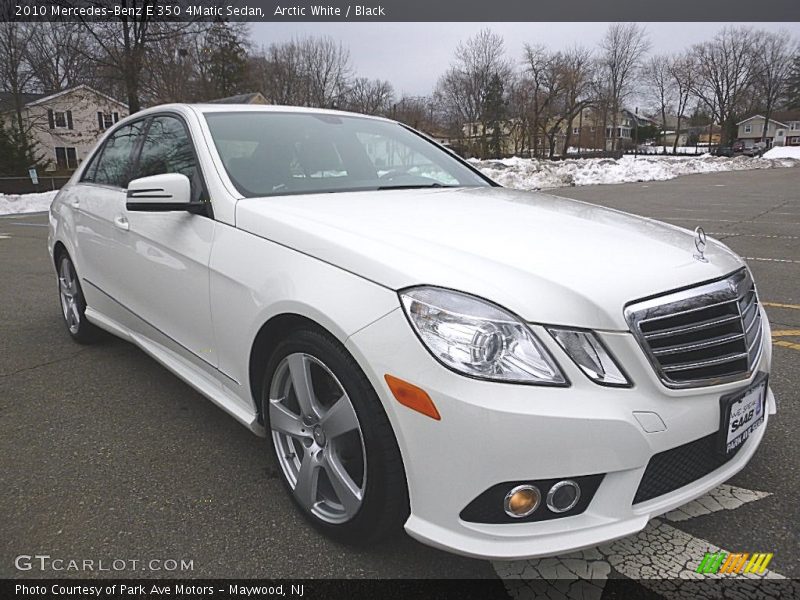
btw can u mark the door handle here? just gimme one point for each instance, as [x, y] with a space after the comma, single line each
[75, 204]
[122, 223]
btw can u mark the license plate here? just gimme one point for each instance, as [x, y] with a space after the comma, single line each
[742, 413]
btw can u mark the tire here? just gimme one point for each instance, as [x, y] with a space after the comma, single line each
[322, 440]
[73, 303]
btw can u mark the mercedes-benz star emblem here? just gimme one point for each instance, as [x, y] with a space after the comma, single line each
[700, 244]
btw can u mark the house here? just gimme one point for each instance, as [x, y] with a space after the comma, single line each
[478, 137]
[66, 125]
[592, 129]
[783, 129]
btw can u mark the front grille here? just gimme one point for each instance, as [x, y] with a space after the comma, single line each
[705, 335]
[672, 469]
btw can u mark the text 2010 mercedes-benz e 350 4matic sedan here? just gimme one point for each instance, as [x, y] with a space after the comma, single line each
[506, 374]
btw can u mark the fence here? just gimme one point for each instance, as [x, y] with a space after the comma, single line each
[24, 185]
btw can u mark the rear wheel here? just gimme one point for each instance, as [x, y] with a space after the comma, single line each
[73, 304]
[332, 440]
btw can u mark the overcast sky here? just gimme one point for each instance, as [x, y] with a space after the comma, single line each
[413, 55]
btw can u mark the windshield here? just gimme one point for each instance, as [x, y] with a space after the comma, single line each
[276, 153]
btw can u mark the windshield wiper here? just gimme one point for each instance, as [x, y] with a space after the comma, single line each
[415, 186]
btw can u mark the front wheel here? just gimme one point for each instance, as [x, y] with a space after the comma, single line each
[73, 304]
[332, 440]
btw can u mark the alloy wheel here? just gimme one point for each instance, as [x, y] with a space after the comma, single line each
[69, 294]
[318, 439]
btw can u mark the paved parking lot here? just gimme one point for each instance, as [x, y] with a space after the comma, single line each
[106, 455]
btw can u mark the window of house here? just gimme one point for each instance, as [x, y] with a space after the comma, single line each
[748, 128]
[66, 158]
[576, 130]
[781, 132]
[106, 119]
[59, 119]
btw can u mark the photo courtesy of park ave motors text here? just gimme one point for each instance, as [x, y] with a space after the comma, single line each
[299, 298]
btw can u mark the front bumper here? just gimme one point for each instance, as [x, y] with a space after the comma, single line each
[494, 432]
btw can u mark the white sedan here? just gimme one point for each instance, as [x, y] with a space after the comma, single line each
[505, 374]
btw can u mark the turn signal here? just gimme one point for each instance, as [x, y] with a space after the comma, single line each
[413, 397]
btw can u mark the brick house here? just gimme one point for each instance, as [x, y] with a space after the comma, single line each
[66, 125]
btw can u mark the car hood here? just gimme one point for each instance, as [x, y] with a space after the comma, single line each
[548, 259]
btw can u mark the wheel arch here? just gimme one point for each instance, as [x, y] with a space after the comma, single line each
[59, 249]
[269, 335]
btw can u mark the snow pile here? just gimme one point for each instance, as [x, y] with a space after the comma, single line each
[533, 174]
[11, 204]
[783, 152]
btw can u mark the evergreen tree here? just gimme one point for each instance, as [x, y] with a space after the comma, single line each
[793, 85]
[225, 53]
[495, 115]
[16, 153]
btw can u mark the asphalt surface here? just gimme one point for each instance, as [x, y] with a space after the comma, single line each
[104, 454]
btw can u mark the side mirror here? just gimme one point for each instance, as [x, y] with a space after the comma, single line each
[160, 193]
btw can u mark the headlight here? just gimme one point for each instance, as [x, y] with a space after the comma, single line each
[477, 338]
[586, 350]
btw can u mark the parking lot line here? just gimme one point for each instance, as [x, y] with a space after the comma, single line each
[778, 260]
[780, 305]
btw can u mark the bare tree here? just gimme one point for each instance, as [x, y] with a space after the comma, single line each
[278, 72]
[773, 57]
[416, 111]
[119, 46]
[660, 87]
[725, 70]
[537, 64]
[326, 65]
[622, 50]
[369, 96]
[682, 72]
[58, 56]
[313, 71]
[576, 65]
[464, 88]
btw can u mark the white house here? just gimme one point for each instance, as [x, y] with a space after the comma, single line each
[65, 125]
[783, 129]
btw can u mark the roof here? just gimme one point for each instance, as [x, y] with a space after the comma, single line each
[7, 100]
[781, 117]
[251, 98]
[83, 86]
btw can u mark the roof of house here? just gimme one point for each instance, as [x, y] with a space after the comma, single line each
[250, 98]
[7, 100]
[83, 86]
[781, 117]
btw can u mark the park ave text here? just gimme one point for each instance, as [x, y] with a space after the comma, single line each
[69, 589]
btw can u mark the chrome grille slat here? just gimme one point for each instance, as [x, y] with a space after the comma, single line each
[704, 363]
[688, 329]
[683, 312]
[705, 335]
[698, 345]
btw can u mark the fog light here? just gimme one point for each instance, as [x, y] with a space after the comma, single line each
[521, 501]
[563, 496]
